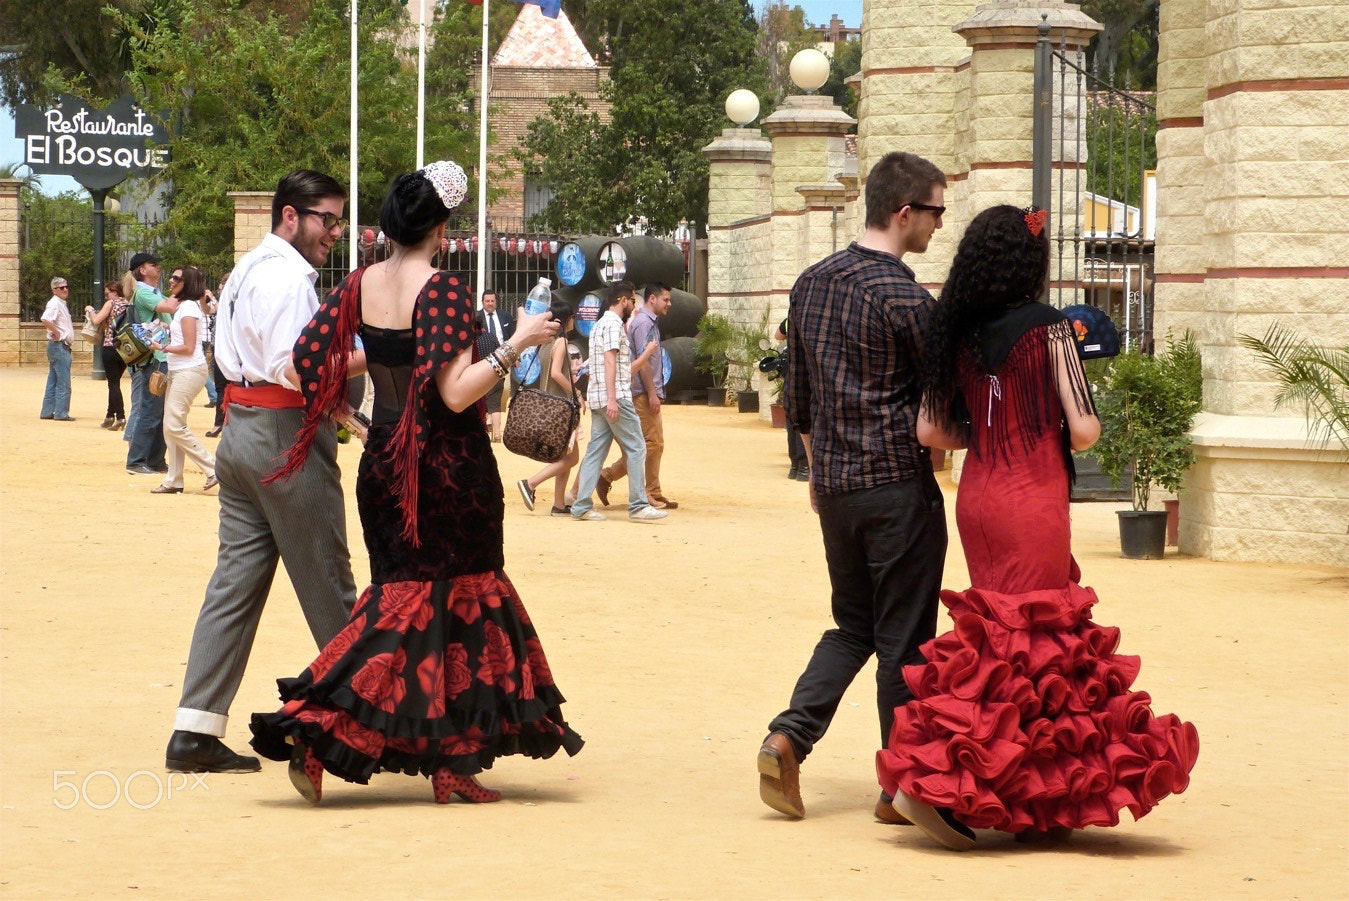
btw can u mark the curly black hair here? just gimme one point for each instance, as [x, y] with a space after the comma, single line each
[1000, 264]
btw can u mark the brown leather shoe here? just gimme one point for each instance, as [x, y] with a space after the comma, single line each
[886, 813]
[665, 503]
[780, 776]
[602, 490]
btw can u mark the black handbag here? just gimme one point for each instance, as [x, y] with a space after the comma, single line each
[539, 425]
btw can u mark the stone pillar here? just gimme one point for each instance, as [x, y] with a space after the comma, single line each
[739, 204]
[10, 226]
[996, 151]
[910, 94]
[1276, 113]
[252, 219]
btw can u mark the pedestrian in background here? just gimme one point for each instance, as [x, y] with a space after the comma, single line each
[60, 332]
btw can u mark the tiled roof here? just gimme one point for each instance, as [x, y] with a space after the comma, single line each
[538, 42]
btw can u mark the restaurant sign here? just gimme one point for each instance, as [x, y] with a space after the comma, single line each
[98, 148]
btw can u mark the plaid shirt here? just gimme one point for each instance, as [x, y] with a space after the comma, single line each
[609, 334]
[854, 341]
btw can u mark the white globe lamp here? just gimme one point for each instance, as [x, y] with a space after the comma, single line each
[742, 106]
[809, 70]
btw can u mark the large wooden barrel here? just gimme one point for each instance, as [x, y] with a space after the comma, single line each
[678, 357]
[641, 259]
[682, 319]
[578, 266]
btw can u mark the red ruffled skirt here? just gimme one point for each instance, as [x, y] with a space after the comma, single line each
[1023, 718]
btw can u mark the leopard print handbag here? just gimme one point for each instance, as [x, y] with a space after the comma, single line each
[539, 425]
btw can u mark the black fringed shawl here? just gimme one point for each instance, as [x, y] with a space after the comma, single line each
[442, 321]
[1034, 394]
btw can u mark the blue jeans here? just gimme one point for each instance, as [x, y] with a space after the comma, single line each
[145, 428]
[627, 429]
[56, 399]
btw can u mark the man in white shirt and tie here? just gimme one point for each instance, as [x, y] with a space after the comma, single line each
[494, 326]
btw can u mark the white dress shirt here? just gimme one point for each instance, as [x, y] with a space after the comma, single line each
[267, 302]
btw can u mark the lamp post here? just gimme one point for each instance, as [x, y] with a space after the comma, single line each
[809, 70]
[742, 107]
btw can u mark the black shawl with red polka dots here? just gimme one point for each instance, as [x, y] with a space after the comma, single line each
[442, 321]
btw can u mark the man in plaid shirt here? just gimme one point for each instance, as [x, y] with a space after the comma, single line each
[610, 397]
[855, 338]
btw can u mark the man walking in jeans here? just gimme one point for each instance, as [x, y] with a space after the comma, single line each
[854, 343]
[60, 332]
[610, 397]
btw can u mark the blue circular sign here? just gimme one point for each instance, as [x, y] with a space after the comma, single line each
[587, 314]
[571, 264]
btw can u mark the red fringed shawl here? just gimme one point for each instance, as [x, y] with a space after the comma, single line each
[442, 321]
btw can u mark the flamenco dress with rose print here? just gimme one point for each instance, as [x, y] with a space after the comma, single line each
[439, 665]
[1023, 718]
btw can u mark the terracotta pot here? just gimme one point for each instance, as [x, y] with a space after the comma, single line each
[779, 414]
[1172, 522]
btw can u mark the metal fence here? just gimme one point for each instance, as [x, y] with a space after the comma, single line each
[1099, 171]
[57, 238]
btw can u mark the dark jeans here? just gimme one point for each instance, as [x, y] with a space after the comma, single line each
[796, 450]
[147, 423]
[220, 382]
[885, 547]
[114, 367]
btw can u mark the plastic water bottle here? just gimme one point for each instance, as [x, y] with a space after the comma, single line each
[540, 300]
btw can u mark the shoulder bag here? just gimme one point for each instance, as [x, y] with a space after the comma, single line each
[539, 424]
[130, 347]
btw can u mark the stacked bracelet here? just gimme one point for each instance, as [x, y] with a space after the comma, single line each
[496, 365]
[509, 355]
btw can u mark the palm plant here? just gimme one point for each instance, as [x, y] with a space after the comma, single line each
[1315, 377]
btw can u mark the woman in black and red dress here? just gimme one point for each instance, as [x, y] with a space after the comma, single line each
[439, 671]
[1022, 718]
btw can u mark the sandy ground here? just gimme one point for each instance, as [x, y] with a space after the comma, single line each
[675, 644]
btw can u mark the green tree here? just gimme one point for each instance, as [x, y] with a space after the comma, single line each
[783, 32]
[1121, 144]
[1125, 51]
[846, 62]
[674, 62]
[247, 95]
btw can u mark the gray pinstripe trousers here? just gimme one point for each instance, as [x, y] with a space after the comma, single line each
[300, 521]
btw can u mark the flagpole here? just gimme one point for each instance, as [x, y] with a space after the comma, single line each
[353, 214]
[421, 85]
[483, 96]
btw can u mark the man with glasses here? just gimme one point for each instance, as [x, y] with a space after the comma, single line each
[854, 340]
[60, 333]
[145, 425]
[299, 520]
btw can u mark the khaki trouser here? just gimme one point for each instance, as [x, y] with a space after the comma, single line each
[654, 433]
[184, 386]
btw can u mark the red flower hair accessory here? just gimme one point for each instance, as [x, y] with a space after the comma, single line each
[1035, 220]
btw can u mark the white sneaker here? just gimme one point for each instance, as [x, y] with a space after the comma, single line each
[589, 516]
[647, 514]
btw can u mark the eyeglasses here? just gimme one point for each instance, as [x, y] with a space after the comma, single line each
[175, 277]
[330, 221]
[938, 210]
[61, 288]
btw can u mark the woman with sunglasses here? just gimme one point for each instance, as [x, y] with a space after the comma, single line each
[555, 359]
[1023, 719]
[440, 670]
[187, 376]
[109, 316]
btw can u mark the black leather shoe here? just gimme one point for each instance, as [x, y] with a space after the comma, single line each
[192, 752]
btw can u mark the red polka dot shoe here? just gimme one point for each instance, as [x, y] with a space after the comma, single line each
[306, 773]
[444, 783]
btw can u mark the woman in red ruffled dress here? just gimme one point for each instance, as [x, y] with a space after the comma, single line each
[439, 671]
[1023, 719]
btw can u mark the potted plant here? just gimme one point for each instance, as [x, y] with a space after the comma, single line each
[743, 355]
[713, 341]
[1147, 406]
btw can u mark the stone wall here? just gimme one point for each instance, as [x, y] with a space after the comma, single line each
[10, 354]
[1253, 110]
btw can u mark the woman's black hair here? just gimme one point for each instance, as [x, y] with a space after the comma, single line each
[411, 209]
[1000, 264]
